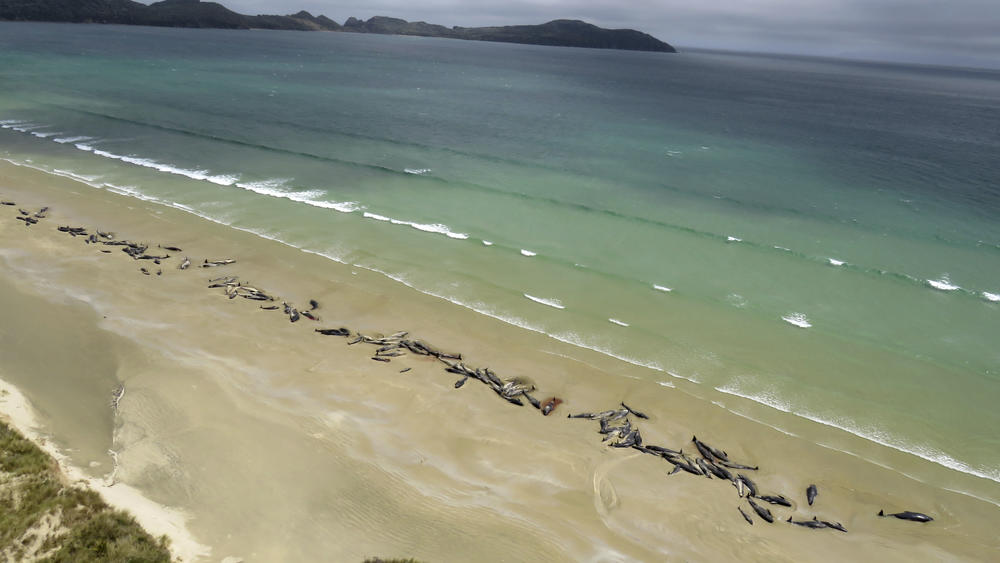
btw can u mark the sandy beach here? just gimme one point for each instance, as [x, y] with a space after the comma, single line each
[243, 435]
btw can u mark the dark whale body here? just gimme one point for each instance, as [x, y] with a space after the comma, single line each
[907, 515]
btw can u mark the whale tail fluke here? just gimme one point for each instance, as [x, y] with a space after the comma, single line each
[881, 513]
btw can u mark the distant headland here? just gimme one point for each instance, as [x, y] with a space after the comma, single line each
[194, 13]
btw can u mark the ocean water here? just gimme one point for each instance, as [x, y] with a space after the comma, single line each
[811, 237]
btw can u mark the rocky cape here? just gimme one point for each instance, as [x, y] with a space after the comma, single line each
[194, 13]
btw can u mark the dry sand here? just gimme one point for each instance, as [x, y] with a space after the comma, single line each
[243, 435]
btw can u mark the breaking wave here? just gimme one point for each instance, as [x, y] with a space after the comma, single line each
[550, 302]
[797, 319]
[437, 228]
[279, 188]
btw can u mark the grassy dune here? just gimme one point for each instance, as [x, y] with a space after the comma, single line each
[43, 518]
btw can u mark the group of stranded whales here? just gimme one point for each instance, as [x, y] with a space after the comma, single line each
[615, 424]
[619, 432]
[26, 216]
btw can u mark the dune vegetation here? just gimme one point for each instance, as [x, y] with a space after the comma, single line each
[45, 518]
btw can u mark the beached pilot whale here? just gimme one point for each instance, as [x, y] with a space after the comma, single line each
[907, 515]
[761, 511]
[814, 523]
[732, 465]
[516, 386]
[776, 499]
[635, 412]
[835, 525]
[333, 331]
[750, 485]
[705, 469]
[719, 472]
[549, 404]
[710, 453]
[811, 493]
[817, 524]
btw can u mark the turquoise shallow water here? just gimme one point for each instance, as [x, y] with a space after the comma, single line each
[818, 236]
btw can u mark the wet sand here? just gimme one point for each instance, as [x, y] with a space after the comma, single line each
[281, 444]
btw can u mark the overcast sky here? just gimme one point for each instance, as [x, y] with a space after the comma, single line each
[964, 32]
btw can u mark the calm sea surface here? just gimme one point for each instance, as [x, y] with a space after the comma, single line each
[821, 237]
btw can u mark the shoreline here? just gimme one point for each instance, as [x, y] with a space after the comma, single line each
[569, 381]
[930, 454]
[155, 518]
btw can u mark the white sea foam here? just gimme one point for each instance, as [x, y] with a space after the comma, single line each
[528, 253]
[487, 243]
[991, 296]
[733, 239]
[44, 134]
[6, 123]
[203, 175]
[617, 322]
[24, 128]
[944, 284]
[417, 171]
[432, 228]
[88, 180]
[871, 434]
[835, 262]
[679, 376]
[76, 139]
[797, 319]
[76, 176]
[666, 384]
[341, 206]
[223, 179]
[133, 191]
[550, 302]
[277, 187]
[662, 288]
[437, 228]
[783, 248]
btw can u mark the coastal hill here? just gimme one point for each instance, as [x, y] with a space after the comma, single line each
[565, 33]
[194, 13]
